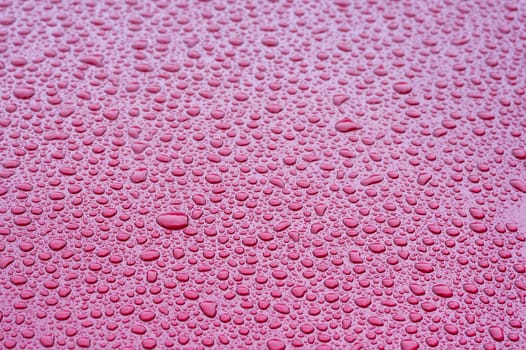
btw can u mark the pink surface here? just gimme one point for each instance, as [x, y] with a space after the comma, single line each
[268, 174]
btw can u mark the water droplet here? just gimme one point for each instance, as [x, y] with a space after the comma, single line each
[173, 220]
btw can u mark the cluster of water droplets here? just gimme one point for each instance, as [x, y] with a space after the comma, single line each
[269, 174]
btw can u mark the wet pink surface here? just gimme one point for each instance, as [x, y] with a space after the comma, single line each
[268, 174]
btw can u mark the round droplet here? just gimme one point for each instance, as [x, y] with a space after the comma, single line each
[402, 87]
